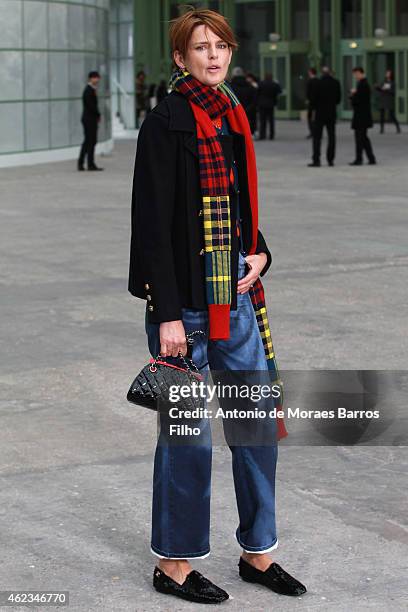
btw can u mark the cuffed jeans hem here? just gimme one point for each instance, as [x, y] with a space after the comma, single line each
[162, 555]
[254, 550]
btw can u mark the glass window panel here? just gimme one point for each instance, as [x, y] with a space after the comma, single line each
[125, 10]
[76, 27]
[77, 75]
[104, 83]
[379, 14]
[35, 25]
[126, 40]
[58, 19]
[127, 110]
[11, 75]
[59, 75]
[347, 80]
[36, 125]
[60, 124]
[281, 78]
[300, 19]
[90, 28]
[401, 70]
[76, 135]
[402, 16]
[10, 24]
[126, 77]
[113, 41]
[351, 18]
[299, 66]
[108, 116]
[36, 75]
[254, 22]
[11, 127]
[325, 31]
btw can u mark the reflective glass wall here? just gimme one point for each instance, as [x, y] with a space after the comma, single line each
[47, 48]
[121, 32]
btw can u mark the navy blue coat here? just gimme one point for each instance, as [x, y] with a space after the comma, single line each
[167, 239]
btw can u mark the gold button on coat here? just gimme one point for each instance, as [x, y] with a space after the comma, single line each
[151, 308]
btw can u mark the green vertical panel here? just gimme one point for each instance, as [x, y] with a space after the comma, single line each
[368, 19]
[166, 61]
[336, 35]
[285, 13]
[155, 36]
[390, 16]
[314, 30]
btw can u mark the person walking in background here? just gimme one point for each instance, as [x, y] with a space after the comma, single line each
[246, 93]
[311, 87]
[268, 93]
[141, 102]
[253, 113]
[90, 119]
[161, 91]
[326, 98]
[387, 101]
[362, 117]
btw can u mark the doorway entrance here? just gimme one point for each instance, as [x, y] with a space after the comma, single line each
[377, 65]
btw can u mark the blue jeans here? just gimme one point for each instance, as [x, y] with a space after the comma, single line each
[182, 472]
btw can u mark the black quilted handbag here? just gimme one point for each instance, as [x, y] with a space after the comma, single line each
[151, 387]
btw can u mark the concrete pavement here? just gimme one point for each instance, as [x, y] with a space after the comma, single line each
[76, 459]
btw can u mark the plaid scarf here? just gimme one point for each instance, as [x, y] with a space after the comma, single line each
[208, 104]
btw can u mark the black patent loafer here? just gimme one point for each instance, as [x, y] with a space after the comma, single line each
[275, 578]
[195, 588]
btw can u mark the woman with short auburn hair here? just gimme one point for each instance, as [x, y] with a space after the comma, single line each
[196, 258]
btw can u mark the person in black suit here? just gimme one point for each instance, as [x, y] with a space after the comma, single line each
[268, 93]
[246, 93]
[90, 119]
[326, 98]
[387, 101]
[311, 87]
[362, 117]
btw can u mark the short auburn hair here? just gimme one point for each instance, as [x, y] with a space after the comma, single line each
[181, 29]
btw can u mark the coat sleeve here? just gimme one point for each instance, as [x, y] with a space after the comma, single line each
[262, 247]
[153, 204]
[90, 102]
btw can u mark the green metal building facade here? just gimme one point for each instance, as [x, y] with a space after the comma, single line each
[340, 33]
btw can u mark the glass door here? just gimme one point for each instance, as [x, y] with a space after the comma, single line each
[277, 65]
[401, 89]
[378, 64]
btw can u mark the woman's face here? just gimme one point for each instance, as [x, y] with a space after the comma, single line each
[207, 57]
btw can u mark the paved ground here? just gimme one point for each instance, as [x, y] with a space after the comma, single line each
[76, 460]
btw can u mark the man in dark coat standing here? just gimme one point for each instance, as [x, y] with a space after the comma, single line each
[268, 93]
[90, 119]
[362, 117]
[246, 93]
[326, 98]
[311, 89]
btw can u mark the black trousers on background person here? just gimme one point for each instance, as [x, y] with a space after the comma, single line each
[392, 116]
[363, 143]
[88, 146]
[310, 121]
[267, 116]
[317, 140]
